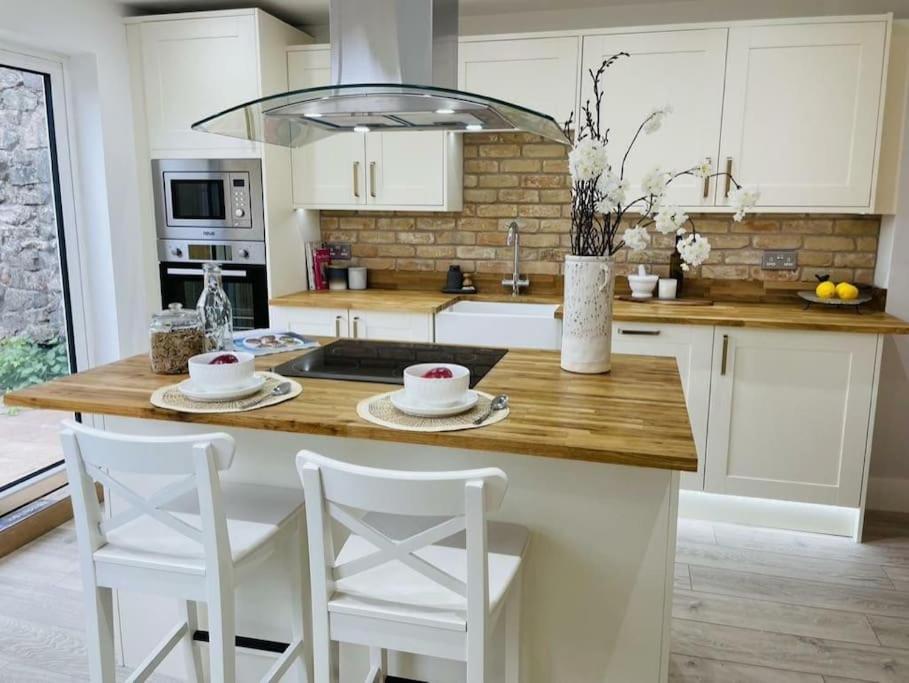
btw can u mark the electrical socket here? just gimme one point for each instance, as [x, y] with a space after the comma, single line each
[338, 251]
[787, 259]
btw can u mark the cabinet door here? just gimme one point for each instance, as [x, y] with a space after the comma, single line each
[415, 327]
[406, 169]
[537, 73]
[789, 414]
[317, 322]
[692, 347]
[193, 68]
[682, 69]
[801, 111]
[331, 171]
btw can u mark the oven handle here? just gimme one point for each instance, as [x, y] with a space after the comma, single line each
[199, 272]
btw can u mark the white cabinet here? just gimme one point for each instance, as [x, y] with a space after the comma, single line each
[536, 73]
[692, 347]
[789, 414]
[392, 326]
[682, 69]
[317, 322]
[192, 68]
[802, 109]
[356, 324]
[390, 171]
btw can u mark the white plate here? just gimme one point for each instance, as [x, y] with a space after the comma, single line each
[197, 393]
[399, 401]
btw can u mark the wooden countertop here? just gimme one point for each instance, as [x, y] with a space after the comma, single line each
[635, 415]
[780, 316]
[398, 300]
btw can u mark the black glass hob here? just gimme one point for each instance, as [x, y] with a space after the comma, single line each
[363, 360]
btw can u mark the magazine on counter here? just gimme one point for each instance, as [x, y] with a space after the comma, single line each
[266, 342]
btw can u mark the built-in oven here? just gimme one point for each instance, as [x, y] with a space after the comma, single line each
[243, 277]
[209, 199]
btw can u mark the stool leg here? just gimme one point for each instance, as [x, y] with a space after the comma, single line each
[100, 645]
[378, 659]
[300, 605]
[222, 630]
[513, 633]
[192, 658]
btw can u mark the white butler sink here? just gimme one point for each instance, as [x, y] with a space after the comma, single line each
[512, 325]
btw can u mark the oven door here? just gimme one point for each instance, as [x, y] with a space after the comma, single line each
[245, 285]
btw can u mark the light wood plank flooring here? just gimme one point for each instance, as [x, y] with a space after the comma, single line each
[751, 606]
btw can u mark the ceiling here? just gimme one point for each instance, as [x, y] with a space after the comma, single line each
[315, 12]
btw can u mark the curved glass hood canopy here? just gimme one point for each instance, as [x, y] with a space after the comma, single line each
[379, 49]
[302, 116]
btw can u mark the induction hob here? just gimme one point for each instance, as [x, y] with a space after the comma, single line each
[362, 360]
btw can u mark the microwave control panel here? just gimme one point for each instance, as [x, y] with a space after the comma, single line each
[241, 212]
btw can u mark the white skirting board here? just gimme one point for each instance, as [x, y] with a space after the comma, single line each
[888, 493]
[777, 514]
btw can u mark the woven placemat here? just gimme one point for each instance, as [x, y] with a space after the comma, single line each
[380, 410]
[171, 398]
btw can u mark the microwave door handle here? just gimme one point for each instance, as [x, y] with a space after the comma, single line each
[199, 272]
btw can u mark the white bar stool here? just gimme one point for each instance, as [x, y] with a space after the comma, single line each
[194, 539]
[422, 571]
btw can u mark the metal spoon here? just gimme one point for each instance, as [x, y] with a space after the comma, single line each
[280, 390]
[500, 402]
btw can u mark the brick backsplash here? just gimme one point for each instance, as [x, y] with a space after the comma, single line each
[517, 176]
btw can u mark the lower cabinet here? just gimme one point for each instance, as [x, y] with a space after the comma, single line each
[341, 322]
[692, 347]
[414, 327]
[790, 414]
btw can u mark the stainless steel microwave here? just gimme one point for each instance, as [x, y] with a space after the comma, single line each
[209, 199]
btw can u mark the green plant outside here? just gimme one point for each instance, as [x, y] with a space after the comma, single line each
[24, 362]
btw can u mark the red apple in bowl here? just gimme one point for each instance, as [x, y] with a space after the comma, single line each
[436, 384]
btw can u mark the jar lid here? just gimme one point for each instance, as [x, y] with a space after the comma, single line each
[176, 318]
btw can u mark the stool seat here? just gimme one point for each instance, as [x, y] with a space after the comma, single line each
[254, 515]
[396, 592]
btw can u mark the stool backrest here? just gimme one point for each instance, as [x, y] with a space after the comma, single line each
[98, 457]
[342, 492]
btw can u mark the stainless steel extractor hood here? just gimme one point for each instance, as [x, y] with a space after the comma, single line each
[394, 66]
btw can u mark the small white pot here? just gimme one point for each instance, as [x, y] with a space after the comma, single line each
[587, 314]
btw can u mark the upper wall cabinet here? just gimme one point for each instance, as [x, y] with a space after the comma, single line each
[192, 65]
[403, 171]
[191, 69]
[536, 73]
[682, 69]
[802, 111]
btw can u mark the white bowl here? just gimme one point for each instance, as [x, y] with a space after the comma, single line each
[443, 391]
[225, 376]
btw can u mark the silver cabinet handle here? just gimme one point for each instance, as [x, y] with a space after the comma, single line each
[372, 179]
[725, 354]
[337, 325]
[643, 333]
[728, 175]
[356, 178]
[707, 179]
[356, 326]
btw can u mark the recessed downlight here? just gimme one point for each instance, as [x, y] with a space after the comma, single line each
[444, 111]
[361, 129]
[474, 126]
[313, 116]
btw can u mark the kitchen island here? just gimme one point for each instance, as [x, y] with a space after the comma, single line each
[593, 465]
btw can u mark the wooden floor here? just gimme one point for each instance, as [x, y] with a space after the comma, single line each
[751, 606]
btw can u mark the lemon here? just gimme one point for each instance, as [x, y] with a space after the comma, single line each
[841, 287]
[825, 290]
[847, 291]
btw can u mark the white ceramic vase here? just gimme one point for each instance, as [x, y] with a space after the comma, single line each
[587, 314]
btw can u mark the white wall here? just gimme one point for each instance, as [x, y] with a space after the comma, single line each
[889, 484]
[120, 277]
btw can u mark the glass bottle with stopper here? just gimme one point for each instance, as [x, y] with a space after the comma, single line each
[215, 311]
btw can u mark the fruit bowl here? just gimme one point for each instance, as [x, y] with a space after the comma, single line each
[222, 374]
[430, 383]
